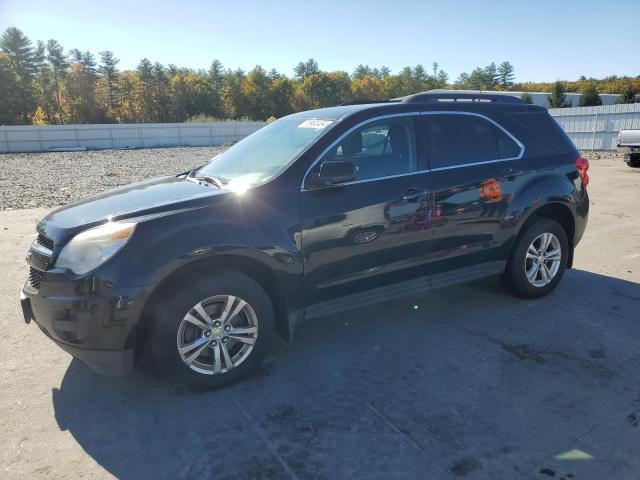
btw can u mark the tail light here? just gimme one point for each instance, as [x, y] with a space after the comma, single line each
[582, 165]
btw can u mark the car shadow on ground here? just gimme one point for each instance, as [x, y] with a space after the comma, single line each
[465, 381]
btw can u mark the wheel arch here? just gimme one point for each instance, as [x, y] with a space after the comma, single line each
[557, 211]
[253, 268]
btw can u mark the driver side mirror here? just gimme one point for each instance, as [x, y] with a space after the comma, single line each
[332, 172]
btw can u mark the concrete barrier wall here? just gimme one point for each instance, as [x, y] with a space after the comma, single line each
[144, 135]
[596, 128]
[590, 128]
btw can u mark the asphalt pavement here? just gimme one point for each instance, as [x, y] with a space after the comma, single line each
[465, 382]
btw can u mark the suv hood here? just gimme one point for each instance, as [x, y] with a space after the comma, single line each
[149, 197]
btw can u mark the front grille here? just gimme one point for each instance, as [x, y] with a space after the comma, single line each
[44, 242]
[35, 277]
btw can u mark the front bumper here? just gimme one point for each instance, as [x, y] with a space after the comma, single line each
[91, 321]
[627, 150]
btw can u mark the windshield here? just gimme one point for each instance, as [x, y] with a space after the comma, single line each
[264, 154]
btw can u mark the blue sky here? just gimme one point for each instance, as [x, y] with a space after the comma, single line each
[545, 40]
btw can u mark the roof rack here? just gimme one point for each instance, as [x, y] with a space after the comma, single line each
[436, 96]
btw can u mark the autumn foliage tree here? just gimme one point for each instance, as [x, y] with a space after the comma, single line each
[367, 88]
[43, 83]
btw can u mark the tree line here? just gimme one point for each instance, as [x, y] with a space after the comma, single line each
[44, 84]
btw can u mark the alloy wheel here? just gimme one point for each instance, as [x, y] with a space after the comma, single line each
[542, 260]
[217, 334]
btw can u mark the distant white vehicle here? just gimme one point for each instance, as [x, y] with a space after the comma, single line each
[629, 145]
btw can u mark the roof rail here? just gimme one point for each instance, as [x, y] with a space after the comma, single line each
[435, 96]
[365, 102]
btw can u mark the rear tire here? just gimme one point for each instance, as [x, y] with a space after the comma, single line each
[216, 350]
[538, 260]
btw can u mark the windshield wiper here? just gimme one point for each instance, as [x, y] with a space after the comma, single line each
[218, 182]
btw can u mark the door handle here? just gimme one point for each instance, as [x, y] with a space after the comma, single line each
[414, 194]
[512, 172]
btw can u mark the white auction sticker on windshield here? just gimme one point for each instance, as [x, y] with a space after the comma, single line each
[315, 123]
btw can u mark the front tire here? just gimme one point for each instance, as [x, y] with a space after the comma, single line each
[538, 260]
[633, 161]
[212, 332]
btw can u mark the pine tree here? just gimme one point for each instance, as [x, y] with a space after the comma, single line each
[362, 71]
[628, 95]
[144, 93]
[216, 72]
[306, 69]
[216, 79]
[127, 91]
[20, 51]
[442, 79]
[108, 69]
[59, 65]
[491, 76]
[81, 105]
[80, 101]
[407, 82]
[478, 79]
[420, 76]
[462, 82]
[273, 74]
[527, 97]
[233, 101]
[21, 60]
[590, 96]
[75, 55]
[558, 98]
[160, 93]
[43, 80]
[89, 62]
[10, 108]
[505, 75]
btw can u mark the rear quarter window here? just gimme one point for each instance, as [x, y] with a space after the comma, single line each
[458, 139]
[539, 132]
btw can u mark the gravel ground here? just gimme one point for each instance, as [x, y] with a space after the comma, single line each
[29, 180]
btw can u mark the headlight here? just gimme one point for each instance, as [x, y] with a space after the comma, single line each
[93, 247]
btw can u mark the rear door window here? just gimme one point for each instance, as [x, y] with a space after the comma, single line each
[454, 140]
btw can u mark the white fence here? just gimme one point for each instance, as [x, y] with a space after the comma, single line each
[596, 128]
[590, 128]
[142, 135]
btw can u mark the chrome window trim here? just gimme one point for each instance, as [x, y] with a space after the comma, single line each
[483, 162]
[428, 170]
[473, 164]
[345, 134]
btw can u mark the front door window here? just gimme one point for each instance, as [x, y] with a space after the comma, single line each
[379, 149]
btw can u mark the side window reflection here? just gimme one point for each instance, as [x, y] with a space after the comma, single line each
[380, 149]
